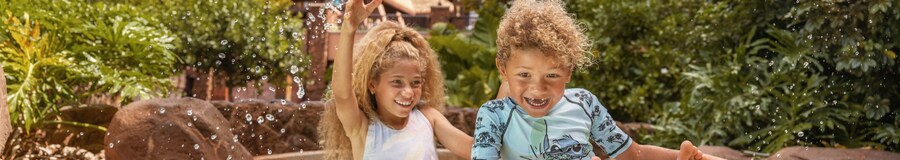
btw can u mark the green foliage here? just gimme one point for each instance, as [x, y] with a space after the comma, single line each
[77, 51]
[823, 73]
[468, 59]
[245, 40]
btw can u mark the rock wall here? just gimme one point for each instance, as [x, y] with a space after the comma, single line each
[273, 127]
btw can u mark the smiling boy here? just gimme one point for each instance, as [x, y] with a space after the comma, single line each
[539, 46]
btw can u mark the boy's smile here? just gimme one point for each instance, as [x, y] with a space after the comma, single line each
[536, 81]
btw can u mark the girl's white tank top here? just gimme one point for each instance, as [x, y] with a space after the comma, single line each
[413, 142]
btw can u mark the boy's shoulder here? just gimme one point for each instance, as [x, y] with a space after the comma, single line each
[496, 105]
[578, 93]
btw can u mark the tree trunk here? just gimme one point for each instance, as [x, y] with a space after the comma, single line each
[5, 128]
[209, 84]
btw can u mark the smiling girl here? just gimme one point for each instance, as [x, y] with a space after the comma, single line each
[386, 101]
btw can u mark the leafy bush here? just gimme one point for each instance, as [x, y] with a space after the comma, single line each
[820, 73]
[64, 52]
[240, 39]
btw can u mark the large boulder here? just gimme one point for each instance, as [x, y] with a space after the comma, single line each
[184, 128]
[274, 127]
[798, 152]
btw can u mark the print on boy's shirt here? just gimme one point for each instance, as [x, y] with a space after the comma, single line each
[561, 148]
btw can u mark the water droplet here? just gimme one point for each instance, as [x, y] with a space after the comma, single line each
[264, 77]
[294, 69]
[190, 124]
[229, 157]
[249, 117]
[283, 102]
[269, 151]
[800, 133]
[235, 138]
[297, 80]
[221, 55]
[270, 117]
[259, 120]
[300, 92]
[196, 146]
[190, 112]
[224, 42]
[213, 137]
[283, 130]
[162, 110]
[110, 145]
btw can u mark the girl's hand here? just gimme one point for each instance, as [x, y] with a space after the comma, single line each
[357, 12]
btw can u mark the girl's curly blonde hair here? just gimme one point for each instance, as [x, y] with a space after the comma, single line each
[544, 25]
[380, 48]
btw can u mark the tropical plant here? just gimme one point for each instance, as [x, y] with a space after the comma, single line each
[468, 58]
[91, 49]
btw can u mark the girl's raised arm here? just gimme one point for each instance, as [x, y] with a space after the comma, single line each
[344, 98]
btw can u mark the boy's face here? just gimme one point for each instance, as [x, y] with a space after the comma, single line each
[536, 82]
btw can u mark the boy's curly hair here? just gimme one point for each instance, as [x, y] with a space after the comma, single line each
[544, 25]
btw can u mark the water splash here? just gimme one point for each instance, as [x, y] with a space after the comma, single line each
[294, 69]
[259, 120]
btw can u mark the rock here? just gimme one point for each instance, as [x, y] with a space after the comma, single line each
[5, 128]
[723, 152]
[90, 139]
[462, 118]
[797, 152]
[183, 128]
[274, 127]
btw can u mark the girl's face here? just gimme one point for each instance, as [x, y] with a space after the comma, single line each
[398, 89]
[536, 82]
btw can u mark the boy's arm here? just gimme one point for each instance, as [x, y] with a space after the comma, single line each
[454, 139]
[688, 152]
[487, 133]
[344, 99]
[606, 134]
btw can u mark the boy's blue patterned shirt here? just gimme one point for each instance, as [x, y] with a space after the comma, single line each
[504, 129]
